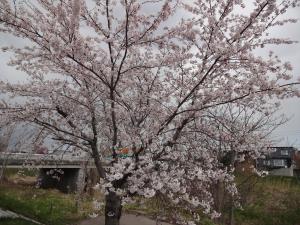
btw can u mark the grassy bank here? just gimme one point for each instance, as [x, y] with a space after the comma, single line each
[265, 201]
[270, 201]
[15, 222]
[47, 206]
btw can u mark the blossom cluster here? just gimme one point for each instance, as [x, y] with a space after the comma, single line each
[175, 82]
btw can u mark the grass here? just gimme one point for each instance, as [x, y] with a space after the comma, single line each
[11, 172]
[46, 206]
[271, 201]
[21, 176]
[160, 207]
[266, 201]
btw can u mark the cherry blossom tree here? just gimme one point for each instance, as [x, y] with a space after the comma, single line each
[144, 75]
[237, 130]
[5, 136]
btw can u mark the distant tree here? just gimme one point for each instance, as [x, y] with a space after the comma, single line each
[146, 75]
[41, 149]
[235, 141]
[5, 136]
[3, 144]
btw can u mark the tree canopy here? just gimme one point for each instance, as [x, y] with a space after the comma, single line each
[177, 83]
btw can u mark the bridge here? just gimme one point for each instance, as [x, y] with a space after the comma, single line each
[65, 172]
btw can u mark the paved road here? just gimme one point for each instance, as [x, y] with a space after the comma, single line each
[125, 220]
[7, 214]
[12, 215]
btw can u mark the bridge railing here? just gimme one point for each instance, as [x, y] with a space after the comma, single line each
[44, 160]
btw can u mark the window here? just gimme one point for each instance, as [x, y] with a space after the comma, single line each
[279, 162]
[284, 152]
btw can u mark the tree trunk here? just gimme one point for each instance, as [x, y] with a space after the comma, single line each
[113, 209]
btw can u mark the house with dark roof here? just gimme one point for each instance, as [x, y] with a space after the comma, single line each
[280, 161]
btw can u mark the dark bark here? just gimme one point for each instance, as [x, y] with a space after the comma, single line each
[97, 160]
[113, 209]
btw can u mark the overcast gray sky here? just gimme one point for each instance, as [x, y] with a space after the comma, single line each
[287, 134]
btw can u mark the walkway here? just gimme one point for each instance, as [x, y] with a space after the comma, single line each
[126, 219]
[12, 215]
[7, 214]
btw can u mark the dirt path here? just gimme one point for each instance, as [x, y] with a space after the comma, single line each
[126, 219]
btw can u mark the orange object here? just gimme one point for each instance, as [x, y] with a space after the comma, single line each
[124, 151]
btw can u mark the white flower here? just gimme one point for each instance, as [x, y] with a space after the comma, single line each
[93, 215]
[149, 193]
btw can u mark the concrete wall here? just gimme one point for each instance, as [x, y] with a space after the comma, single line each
[282, 172]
